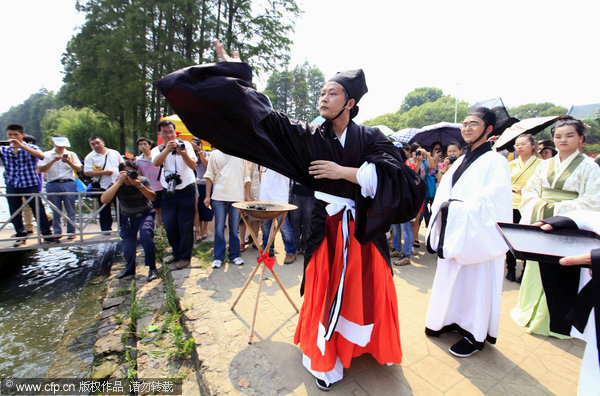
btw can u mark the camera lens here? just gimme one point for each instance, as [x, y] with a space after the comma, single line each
[132, 174]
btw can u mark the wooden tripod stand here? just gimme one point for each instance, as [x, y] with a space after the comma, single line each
[265, 211]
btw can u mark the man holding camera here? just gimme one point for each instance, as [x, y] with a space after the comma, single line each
[59, 165]
[20, 160]
[176, 160]
[137, 215]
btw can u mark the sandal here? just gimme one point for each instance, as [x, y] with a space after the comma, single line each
[242, 246]
[416, 244]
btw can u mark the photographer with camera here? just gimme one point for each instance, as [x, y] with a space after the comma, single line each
[19, 160]
[453, 151]
[176, 160]
[60, 166]
[137, 215]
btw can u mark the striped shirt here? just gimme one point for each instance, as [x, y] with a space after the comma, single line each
[19, 168]
[150, 171]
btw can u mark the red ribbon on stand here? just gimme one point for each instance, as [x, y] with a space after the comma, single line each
[264, 257]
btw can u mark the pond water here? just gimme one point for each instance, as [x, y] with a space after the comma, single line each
[42, 294]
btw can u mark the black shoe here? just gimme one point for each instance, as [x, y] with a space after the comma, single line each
[125, 273]
[324, 386]
[19, 242]
[54, 239]
[152, 274]
[510, 275]
[463, 348]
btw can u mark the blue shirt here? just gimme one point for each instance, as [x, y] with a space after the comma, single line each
[19, 168]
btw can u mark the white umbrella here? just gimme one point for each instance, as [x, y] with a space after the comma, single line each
[404, 135]
[528, 125]
[387, 131]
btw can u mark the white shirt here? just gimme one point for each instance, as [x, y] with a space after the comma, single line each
[94, 162]
[228, 175]
[175, 163]
[274, 187]
[59, 170]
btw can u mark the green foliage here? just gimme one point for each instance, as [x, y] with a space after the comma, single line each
[531, 110]
[424, 114]
[420, 96]
[78, 125]
[433, 112]
[125, 46]
[171, 299]
[137, 309]
[131, 365]
[30, 112]
[160, 242]
[592, 131]
[296, 92]
[593, 148]
[183, 345]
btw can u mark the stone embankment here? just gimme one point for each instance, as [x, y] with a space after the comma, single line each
[140, 334]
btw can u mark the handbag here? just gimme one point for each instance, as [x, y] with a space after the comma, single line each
[94, 187]
[431, 188]
[79, 185]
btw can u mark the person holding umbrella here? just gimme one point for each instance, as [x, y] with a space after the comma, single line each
[350, 305]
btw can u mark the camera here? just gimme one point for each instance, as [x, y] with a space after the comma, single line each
[65, 156]
[418, 153]
[132, 174]
[4, 143]
[197, 141]
[452, 159]
[180, 146]
[173, 180]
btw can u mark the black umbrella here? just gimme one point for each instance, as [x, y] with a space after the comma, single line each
[503, 119]
[442, 132]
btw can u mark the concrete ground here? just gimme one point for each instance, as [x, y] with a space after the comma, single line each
[519, 364]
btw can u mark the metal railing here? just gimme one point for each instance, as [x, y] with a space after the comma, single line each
[86, 214]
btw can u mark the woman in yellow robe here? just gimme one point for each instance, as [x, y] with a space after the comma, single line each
[521, 169]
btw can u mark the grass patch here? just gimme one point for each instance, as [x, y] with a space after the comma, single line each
[204, 253]
[122, 292]
[161, 242]
[183, 345]
[137, 309]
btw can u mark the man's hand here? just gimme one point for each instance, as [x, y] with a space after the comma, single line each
[322, 169]
[223, 55]
[207, 202]
[122, 177]
[16, 143]
[135, 182]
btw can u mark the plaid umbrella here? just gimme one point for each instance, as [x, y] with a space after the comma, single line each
[404, 135]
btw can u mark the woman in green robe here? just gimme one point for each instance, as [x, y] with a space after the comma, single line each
[564, 183]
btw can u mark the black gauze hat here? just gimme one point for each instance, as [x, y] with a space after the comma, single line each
[485, 114]
[355, 85]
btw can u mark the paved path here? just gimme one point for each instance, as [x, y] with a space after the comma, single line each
[518, 364]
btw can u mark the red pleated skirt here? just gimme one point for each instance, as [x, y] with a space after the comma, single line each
[369, 303]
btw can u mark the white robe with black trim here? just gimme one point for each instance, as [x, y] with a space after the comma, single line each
[467, 287]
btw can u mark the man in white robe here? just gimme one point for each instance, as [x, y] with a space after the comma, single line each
[471, 197]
